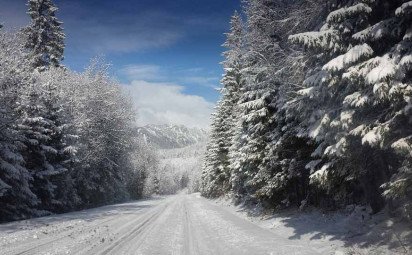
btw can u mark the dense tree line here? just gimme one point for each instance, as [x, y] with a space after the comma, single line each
[66, 139]
[315, 106]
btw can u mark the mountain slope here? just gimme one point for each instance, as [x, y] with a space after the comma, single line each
[171, 136]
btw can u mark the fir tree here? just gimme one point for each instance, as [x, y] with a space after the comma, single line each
[45, 36]
[16, 197]
[63, 139]
[356, 95]
[37, 131]
[217, 172]
[249, 153]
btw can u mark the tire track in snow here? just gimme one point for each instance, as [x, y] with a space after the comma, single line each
[190, 245]
[141, 230]
[69, 238]
[45, 243]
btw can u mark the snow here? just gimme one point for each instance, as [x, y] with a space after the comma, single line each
[402, 144]
[356, 99]
[346, 118]
[373, 137]
[375, 32]
[324, 38]
[349, 58]
[317, 129]
[312, 164]
[386, 68]
[320, 175]
[309, 92]
[359, 130]
[169, 136]
[350, 231]
[408, 34]
[317, 79]
[406, 61]
[404, 9]
[254, 104]
[343, 13]
[190, 224]
[381, 89]
[337, 149]
[180, 224]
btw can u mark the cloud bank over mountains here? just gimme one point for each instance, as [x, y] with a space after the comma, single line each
[166, 103]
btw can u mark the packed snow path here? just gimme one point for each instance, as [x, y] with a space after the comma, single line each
[180, 224]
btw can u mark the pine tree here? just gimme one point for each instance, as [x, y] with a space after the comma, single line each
[16, 197]
[45, 36]
[216, 170]
[349, 95]
[214, 176]
[63, 139]
[37, 130]
[249, 152]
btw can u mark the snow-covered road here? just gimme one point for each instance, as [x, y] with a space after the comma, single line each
[180, 224]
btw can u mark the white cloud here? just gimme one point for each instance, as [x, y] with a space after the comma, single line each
[141, 72]
[155, 73]
[211, 82]
[166, 103]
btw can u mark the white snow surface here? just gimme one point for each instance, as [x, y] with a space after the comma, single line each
[351, 231]
[179, 224]
[352, 56]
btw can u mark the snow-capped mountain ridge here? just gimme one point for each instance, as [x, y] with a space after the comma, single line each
[171, 136]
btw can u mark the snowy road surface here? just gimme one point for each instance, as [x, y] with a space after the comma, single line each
[180, 224]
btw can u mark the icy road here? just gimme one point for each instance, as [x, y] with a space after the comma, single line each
[180, 224]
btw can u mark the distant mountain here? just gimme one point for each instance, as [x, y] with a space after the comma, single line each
[171, 136]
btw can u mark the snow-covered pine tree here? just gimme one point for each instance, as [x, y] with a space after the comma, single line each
[216, 169]
[213, 175]
[390, 73]
[63, 139]
[45, 36]
[249, 152]
[284, 179]
[16, 198]
[39, 150]
[351, 104]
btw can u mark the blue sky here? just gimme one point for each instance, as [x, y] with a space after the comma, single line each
[173, 45]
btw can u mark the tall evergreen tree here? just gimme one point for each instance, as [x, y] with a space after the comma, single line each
[16, 197]
[252, 141]
[355, 95]
[39, 151]
[216, 170]
[45, 36]
[63, 139]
